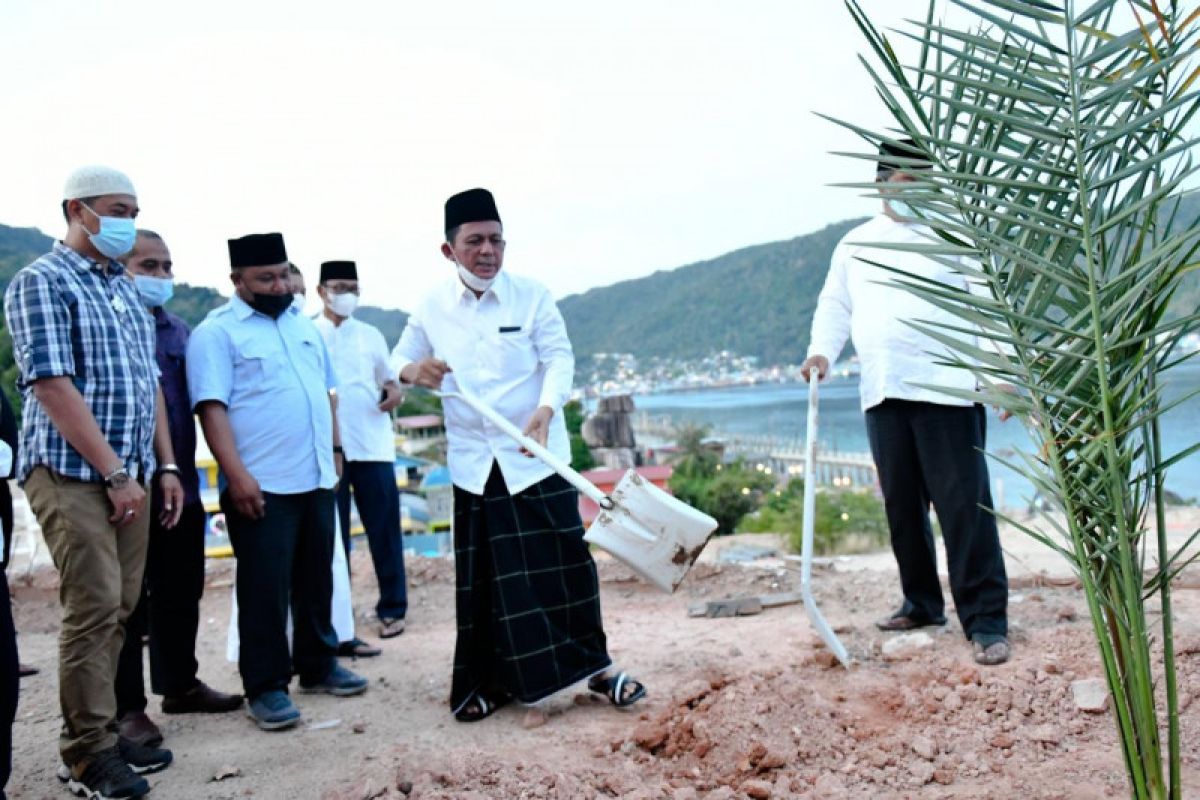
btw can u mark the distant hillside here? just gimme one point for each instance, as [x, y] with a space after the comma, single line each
[757, 301]
[390, 321]
[19, 246]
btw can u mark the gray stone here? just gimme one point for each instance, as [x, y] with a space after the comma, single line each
[924, 747]
[1090, 695]
[906, 641]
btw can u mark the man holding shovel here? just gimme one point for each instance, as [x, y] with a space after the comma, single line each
[927, 445]
[528, 600]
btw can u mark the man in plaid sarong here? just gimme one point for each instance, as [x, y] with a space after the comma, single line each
[528, 600]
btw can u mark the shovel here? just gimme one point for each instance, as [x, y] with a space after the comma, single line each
[645, 528]
[810, 509]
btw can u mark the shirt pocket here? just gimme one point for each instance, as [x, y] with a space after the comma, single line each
[515, 354]
[259, 367]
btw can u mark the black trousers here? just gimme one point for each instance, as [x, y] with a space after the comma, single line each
[169, 611]
[378, 501]
[8, 679]
[283, 561]
[928, 452]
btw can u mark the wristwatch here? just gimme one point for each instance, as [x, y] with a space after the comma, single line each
[117, 479]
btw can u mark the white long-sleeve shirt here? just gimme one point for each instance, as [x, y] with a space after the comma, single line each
[359, 356]
[510, 348]
[862, 302]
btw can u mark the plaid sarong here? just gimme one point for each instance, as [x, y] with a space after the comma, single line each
[528, 597]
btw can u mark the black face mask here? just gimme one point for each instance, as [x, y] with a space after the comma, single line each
[273, 305]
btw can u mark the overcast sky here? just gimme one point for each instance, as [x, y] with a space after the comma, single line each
[619, 137]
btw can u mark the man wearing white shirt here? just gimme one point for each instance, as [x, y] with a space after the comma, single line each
[527, 600]
[367, 393]
[927, 445]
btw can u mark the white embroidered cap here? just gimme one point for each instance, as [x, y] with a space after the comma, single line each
[94, 181]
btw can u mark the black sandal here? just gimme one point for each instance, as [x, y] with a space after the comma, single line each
[621, 690]
[480, 706]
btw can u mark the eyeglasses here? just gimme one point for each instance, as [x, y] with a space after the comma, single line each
[341, 288]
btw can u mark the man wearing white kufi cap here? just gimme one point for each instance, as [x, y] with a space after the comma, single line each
[94, 422]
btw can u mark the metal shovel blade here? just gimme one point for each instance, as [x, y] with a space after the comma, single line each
[657, 536]
[653, 533]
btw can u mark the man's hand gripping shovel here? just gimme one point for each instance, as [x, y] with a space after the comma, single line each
[644, 527]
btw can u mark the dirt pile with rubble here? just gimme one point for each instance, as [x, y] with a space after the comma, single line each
[739, 707]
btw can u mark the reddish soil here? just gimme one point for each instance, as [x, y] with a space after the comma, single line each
[740, 707]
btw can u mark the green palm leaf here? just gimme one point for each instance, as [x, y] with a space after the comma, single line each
[1059, 144]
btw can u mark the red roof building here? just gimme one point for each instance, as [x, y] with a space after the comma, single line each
[607, 479]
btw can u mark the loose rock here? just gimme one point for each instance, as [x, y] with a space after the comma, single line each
[924, 747]
[1090, 695]
[898, 645]
[759, 790]
[650, 734]
[226, 771]
[1047, 734]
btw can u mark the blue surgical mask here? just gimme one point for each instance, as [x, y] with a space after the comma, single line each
[116, 236]
[155, 292]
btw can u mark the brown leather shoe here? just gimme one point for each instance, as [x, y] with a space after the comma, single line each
[137, 727]
[900, 622]
[202, 699]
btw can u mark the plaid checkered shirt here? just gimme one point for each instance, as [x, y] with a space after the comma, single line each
[68, 318]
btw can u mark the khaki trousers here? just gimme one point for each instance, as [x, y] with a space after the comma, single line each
[100, 570]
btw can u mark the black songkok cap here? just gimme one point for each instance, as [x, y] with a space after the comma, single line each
[903, 148]
[473, 205]
[339, 271]
[257, 250]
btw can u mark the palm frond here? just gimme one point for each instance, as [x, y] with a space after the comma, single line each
[1060, 144]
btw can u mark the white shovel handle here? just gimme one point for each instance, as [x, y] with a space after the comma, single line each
[549, 459]
[806, 537]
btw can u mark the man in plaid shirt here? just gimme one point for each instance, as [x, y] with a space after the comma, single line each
[93, 420]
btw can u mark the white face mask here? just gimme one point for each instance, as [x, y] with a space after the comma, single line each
[342, 305]
[902, 209]
[473, 281]
[298, 301]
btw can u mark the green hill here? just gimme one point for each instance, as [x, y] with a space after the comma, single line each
[757, 301]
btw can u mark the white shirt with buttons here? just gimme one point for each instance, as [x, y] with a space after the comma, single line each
[862, 302]
[510, 348]
[360, 360]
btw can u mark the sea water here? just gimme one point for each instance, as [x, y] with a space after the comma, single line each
[779, 410]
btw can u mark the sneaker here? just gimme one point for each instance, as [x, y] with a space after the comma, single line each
[341, 682]
[104, 776]
[144, 759]
[273, 711]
